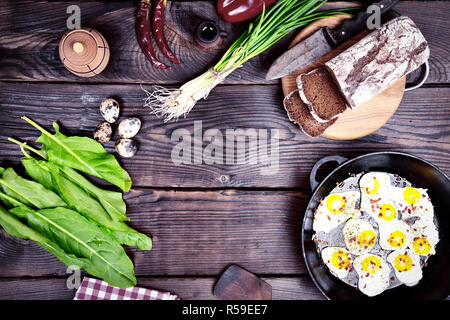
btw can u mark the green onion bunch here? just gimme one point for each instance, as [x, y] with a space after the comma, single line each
[267, 29]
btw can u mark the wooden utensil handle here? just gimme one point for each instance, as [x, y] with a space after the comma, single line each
[349, 28]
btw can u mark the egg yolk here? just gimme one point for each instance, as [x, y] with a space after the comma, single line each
[411, 195]
[403, 263]
[421, 246]
[371, 264]
[387, 212]
[396, 239]
[371, 187]
[367, 238]
[340, 259]
[335, 203]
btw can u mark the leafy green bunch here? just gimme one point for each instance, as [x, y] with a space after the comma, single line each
[66, 214]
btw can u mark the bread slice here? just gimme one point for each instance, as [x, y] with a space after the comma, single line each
[298, 112]
[321, 95]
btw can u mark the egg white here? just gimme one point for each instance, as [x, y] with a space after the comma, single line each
[325, 220]
[352, 230]
[373, 197]
[327, 254]
[412, 276]
[372, 284]
[425, 228]
[386, 229]
[422, 209]
[366, 183]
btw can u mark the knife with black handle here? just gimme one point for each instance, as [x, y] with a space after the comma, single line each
[351, 27]
[323, 41]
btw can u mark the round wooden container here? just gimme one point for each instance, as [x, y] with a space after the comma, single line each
[84, 52]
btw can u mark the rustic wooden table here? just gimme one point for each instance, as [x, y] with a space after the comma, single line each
[202, 217]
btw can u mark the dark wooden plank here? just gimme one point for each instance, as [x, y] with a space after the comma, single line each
[30, 32]
[236, 283]
[284, 288]
[420, 126]
[194, 233]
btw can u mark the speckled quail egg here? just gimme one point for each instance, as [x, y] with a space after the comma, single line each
[126, 147]
[129, 127]
[103, 132]
[110, 110]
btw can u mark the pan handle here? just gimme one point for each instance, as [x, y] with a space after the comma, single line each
[312, 177]
[423, 77]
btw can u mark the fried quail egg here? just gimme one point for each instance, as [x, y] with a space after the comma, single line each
[373, 273]
[338, 260]
[395, 235]
[335, 209]
[359, 236]
[425, 237]
[385, 212]
[375, 195]
[406, 264]
[374, 184]
[388, 234]
[413, 202]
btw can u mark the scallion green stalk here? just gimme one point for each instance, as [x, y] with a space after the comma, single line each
[267, 29]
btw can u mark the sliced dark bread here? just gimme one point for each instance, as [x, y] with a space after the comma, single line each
[321, 95]
[298, 112]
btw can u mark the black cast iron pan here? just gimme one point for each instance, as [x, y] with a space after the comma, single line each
[435, 283]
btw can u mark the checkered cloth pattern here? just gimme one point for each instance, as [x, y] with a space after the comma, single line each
[94, 289]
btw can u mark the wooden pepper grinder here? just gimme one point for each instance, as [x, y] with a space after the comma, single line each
[84, 52]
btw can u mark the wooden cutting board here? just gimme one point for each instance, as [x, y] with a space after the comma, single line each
[236, 283]
[367, 117]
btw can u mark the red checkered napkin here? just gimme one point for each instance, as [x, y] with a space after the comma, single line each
[94, 289]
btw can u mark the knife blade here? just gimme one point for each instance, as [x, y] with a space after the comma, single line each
[321, 42]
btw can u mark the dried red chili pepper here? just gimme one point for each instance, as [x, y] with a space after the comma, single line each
[158, 31]
[143, 33]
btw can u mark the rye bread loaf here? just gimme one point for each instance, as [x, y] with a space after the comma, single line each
[370, 66]
[298, 112]
[322, 96]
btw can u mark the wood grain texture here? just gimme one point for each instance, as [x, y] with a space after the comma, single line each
[420, 126]
[30, 32]
[237, 283]
[194, 233]
[197, 232]
[284, 288]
